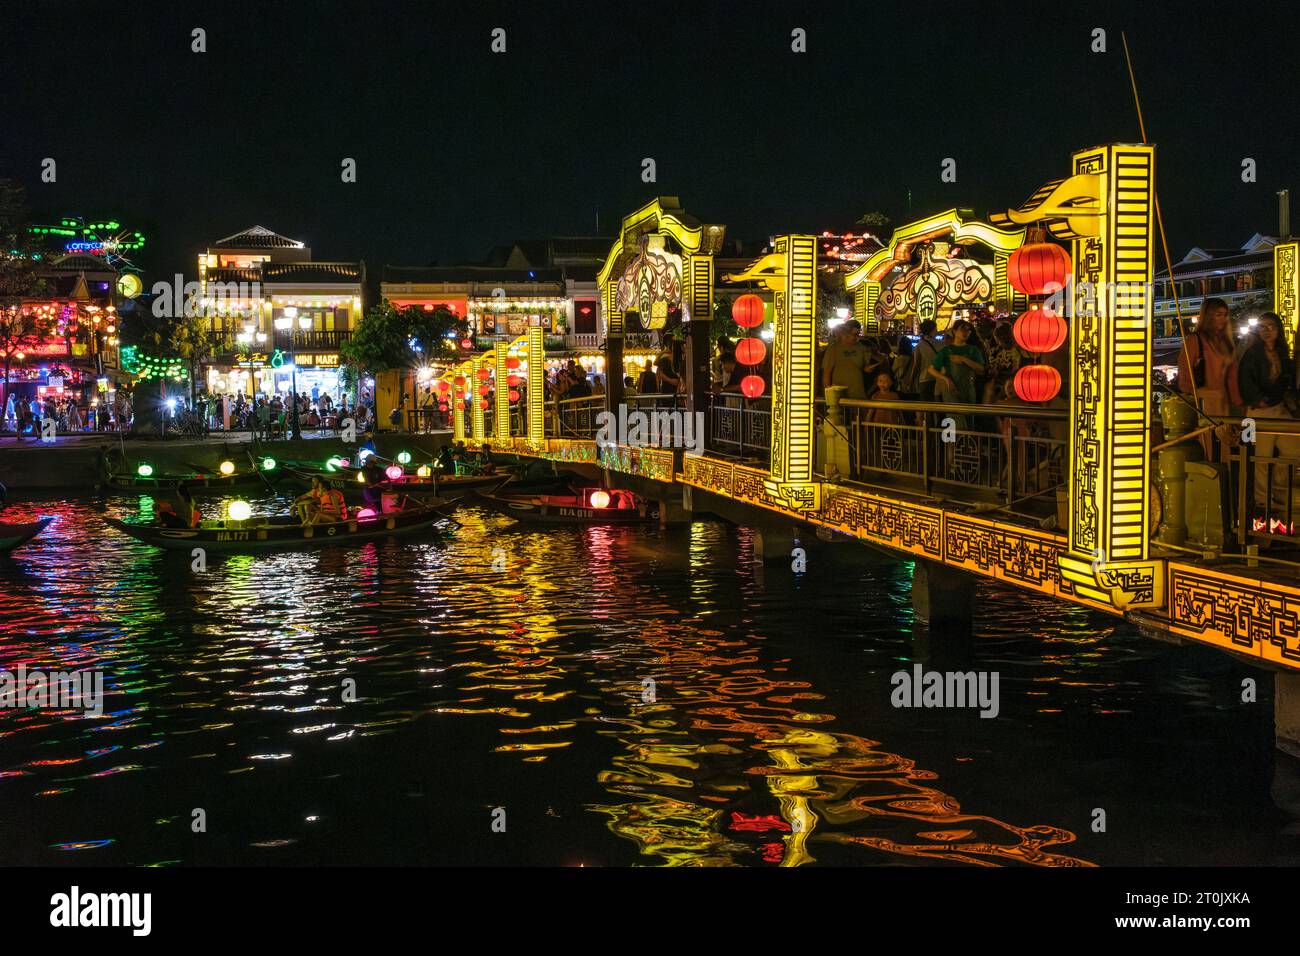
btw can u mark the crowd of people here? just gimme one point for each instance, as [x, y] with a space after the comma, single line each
[272, 416]
[26, 417]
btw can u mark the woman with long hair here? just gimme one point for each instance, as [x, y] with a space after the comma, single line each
[1266, 376]
[1207, 355]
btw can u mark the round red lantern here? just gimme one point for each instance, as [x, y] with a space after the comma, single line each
[747, 311]
[1037, 383]
[513, 381]
[514, 395]
[1039, 330]
[752, 386]
[1037, 268]
[483, 389]
[444, 386]
[512, 362]
[750, 351]
[484, 374]
[442, 406]
[460, 381]
[467, 343]
[483, 403]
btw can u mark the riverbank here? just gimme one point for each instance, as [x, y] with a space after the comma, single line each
[71, 462]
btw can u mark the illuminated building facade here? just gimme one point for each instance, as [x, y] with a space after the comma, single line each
[271, 306]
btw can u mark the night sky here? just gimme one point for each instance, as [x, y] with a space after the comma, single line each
[460, 149]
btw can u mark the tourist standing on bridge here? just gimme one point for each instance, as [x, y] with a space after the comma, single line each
[1205, 362]
[956, 368]
[845, 360]
[1267, 380]
[919, 381]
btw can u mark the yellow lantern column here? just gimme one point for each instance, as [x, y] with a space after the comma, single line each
[457, 410]
[1110, 402]
[502, 423]
[1286, 288]
[613, 317]
[476, 400]
[793, 388]
[864, 304]
[536, 386]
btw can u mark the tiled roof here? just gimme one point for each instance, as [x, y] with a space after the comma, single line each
[234, 275]
[418, 274]
[1242, 261]
[312, 272]
[258, 237]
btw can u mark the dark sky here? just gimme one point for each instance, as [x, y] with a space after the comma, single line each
[459, 149]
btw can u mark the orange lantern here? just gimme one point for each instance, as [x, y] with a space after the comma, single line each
[599, 499]
[460, 381]
[444, 386]
[483, 404]
[1037, 383]
[514, 395]
[747, 311]
[512, 362]
[513, 381]
[1037, 268]
[484, 374]
[750, 351]
[1039, 330]
[483, 389]
[752, 385]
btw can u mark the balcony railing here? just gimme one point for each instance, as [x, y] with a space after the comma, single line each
[740, 427]
[574, 417]
[320, 338]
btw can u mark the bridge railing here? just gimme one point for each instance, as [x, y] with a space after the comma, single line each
[574, 417]
[1264, 478]
[1015, 454]
[740, 427]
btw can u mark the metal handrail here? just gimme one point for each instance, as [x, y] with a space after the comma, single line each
[997, 411]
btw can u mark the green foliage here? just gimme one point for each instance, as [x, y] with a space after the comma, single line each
[20, 252]
[876, 222]
[382, 339]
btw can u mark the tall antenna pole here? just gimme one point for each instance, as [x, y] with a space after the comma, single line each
[1160, 220]
[1284, 214]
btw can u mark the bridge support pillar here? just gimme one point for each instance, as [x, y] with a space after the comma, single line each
[942, 596]
[673, 511]
[775, 543]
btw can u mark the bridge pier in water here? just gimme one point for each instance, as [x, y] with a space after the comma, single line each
[943, 596]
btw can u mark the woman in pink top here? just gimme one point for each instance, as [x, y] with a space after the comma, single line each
[1204, 361]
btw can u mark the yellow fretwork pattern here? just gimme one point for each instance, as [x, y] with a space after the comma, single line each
[698, 294]
[458, 407]
[609, 308]
[793, 352]
[1286, 288]
[501, 424]
[536, 385]
[476, 400]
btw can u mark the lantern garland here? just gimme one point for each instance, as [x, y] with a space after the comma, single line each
[1037, 269]
[747, 312]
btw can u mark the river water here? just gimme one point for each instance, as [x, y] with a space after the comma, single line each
[598, 697]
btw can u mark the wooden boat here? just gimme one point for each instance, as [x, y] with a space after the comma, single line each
[282, 532]
[16, 535]
[199, 484]
[447, 487]
[622, 507]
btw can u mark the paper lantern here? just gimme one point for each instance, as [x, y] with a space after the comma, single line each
[144, 469]
[484, 374]
[404, 457]
[1036, 266]
[466, 343]
[1037, 383]
[268, 464]
[514, 395]
[747, 311]
[366, 513]
[361, 477]
[393, 472]
[460, 381]
[752, 386]
[424, 471]
[599, 499]
[513, 381]
[227, 467]
[483, 403]
[444, 386]
[443, 406]
[1039, 330]
[240, 510]
[483, 389]
[750, 351]
[512, 362]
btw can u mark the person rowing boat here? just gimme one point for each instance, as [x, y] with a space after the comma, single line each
[320, 505]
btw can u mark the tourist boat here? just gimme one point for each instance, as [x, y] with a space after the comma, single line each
[198, 482]
[16, 535]
[587, 506]
[281, 532]
[447, 487]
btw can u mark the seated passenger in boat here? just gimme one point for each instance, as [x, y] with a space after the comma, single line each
[188, 511]
[164, 513]
[329, 506]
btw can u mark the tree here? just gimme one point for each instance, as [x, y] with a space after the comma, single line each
[877, 222]
[391, 338]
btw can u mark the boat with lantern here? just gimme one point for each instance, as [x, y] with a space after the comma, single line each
[584, 506]
[348, 479]
[284, 532]
[263, 471]
[16, 535]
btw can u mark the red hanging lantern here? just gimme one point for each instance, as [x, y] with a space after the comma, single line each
[747, 311]
[750, 351]
[512, 362]
[467, 343]
[513, 381]
[483, 389]
[1038, 268]
[460, 381]
[1037, 383]
[444, 386]
[483, 403]
[752, 385]
[442, 406]
[514, 395]
[1039, 330]
[484, 374]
